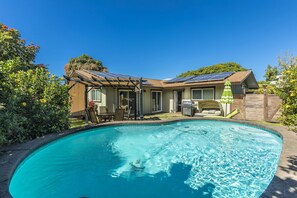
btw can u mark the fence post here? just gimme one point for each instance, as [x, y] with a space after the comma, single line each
[244, 107]
[265, 110]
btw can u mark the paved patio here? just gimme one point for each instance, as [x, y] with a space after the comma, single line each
[284, 183]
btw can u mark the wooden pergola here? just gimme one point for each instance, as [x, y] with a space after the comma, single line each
[94, 79]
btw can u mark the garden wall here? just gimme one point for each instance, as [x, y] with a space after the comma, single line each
[262, 107]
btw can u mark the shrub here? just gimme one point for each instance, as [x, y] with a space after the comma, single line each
[287, 91]
[38, 106]
[33, 102]
[270, 88]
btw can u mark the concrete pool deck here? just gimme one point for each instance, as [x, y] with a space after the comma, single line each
[284, 183]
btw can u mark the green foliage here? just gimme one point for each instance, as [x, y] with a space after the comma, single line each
[271, 73]
[1, 106]
[84, 62]
[13, 47]
[287, 90]
[32, 102]
[270, 88]
[222, 67]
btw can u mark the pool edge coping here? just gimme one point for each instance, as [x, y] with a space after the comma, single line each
[15, 154]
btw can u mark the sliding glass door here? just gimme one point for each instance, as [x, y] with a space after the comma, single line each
[127, 100]
[156, 101]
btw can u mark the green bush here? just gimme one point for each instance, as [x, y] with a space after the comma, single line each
[287, 91]
[37, 106]
[33, 102]
[221, 67]
[270, 88]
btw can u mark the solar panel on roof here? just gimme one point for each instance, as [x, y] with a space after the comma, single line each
[183, 79]
[210, 77]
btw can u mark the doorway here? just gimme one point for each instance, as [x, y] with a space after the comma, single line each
[156, 101]
[177, 99]
[127, 100]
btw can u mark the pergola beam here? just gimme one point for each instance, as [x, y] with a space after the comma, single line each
[110, 83]
[72, 85]
[98, 81]
[134, 84]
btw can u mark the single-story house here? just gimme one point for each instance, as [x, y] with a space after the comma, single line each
[149, 96]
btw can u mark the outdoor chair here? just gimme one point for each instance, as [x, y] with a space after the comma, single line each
[119, 115]
[209, 108]
[104, 110]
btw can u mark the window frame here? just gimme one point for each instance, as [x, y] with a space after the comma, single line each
[202, 93]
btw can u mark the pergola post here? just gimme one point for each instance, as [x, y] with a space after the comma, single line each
[135, 105]
[140, 99]
[86, 104]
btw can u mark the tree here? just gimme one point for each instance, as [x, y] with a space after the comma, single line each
[222, 67]
[15, 55]
[270, 88]
[13, 47]
[84, 62]
[271, 73]
[287, 90]
[32, 101]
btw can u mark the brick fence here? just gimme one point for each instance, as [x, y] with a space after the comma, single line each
[262, 107]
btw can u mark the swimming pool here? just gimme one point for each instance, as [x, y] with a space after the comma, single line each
[200, 158]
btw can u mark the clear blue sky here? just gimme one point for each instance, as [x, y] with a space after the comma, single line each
[156, 38]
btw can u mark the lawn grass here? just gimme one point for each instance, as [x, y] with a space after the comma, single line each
[268, 123]
[75, 122]
[164, 116]
[169, 116]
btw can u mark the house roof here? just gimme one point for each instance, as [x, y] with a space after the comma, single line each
[153, 83]
[111, 79]
[235, 78]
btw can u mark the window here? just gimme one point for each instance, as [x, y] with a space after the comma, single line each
[203, 94]
[96, 94]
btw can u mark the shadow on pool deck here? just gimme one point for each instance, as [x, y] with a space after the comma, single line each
[281, 188]
[292, 165]
[286, 187]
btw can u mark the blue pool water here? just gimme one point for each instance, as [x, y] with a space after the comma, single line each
[181, 159]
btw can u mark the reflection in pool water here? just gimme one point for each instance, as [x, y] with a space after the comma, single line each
[180, 159]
